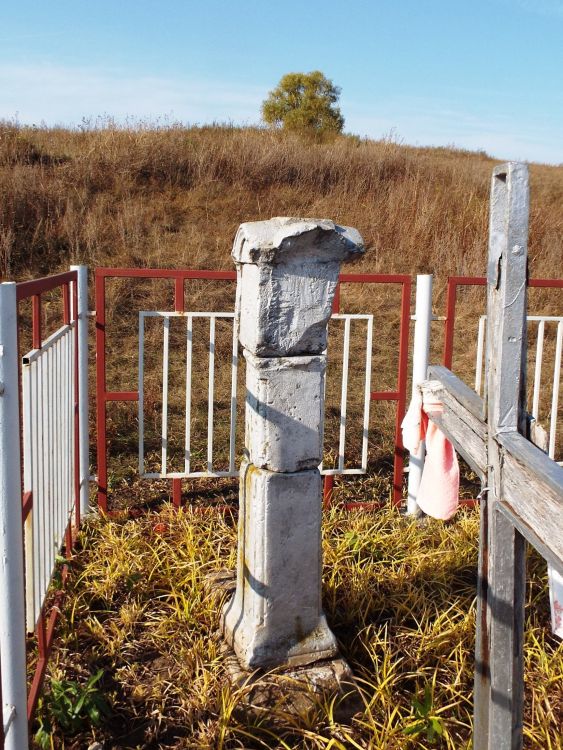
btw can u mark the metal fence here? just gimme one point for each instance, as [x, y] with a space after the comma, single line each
[549, 415]
[44, 430]
[44, 438]
[396, 395]
[232, 470]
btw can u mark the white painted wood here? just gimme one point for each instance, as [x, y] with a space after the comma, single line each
[500, 617]
[460, 419]
[12, 611]
[234, 378]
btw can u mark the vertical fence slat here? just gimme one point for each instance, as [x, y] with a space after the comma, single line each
[12, 611]
[37, 496]
[344, 393]
[498, 693]
[28, 411]
[234, 377]
[480, 354]
[81, 318]
[367, 394]
[141, 390]
[165, 368]
[555, 392]
[537, 370]
[210, 394]
[188, 427]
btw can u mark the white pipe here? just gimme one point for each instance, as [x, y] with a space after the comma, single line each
[555, 393]
[141, 389]
[344, 394]
[83, 417]
[537, 370]
[421, 348]
[12, 611]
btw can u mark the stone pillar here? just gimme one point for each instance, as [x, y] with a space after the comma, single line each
[287, 275]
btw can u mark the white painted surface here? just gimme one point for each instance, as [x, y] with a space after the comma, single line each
[284, 412]
[12, 609]
[358, 325]
[421, 348]
[285, 309]
[546, 324]
[288, 271]
[284, 239]
[287, 275]
[275, 616]
[83, 404]
[48, 458]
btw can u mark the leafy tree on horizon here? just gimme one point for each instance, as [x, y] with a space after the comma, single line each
[305, 103]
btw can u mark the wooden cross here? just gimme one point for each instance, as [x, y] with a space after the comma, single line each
[522, 499]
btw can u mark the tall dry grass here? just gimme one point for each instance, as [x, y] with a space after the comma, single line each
[174, 197]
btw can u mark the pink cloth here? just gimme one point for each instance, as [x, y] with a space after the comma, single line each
[438, 494]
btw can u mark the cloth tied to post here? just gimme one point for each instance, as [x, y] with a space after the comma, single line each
[438, 494]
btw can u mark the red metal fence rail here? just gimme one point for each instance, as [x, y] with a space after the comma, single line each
[451, 298]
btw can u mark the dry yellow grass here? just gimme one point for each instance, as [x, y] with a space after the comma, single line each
[399, 596]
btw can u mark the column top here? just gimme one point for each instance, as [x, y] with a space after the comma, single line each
[284, 239]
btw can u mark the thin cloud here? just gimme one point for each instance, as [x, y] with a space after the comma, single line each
[549, 8]
[422, 122]
[61, 95]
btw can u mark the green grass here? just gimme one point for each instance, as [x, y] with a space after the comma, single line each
[399, 595]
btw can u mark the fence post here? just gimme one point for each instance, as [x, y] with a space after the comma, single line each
[12, 610]
[499, 679]
[421, 348]
[83, 417]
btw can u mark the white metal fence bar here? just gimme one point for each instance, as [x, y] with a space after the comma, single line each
[141, 390]
[12, 609]
[555, 392]
[344, 387]
[541, 320]
[367, 393]
[165, 361]
[187, 438]
[48, 376]
[537, 370]
[210, 395]
[187, 473]
[232, 471]
[421, 348]
[344, 394]
[82, 315]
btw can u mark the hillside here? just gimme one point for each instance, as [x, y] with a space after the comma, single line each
[175, 196]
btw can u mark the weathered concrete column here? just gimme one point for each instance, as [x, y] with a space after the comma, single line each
[287, 275]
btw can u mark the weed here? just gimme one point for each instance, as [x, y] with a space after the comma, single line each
[69, 707]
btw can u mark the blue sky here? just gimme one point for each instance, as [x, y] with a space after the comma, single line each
[486, 74]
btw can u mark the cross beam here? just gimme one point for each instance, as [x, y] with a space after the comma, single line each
[524, 498]
[531, 481]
